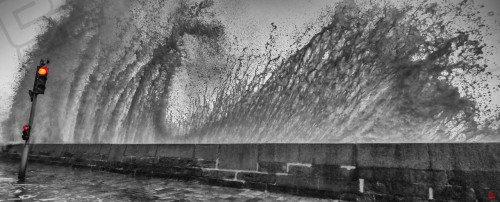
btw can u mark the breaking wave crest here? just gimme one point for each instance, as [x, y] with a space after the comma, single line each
[165, 71]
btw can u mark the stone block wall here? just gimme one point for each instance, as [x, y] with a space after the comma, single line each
[351, 172]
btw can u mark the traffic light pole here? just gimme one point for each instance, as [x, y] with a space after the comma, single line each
[26, 148]
[38, 88]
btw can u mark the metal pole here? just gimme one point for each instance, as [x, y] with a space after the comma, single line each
[24, 157]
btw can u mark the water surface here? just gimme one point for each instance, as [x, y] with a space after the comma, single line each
[57, 183]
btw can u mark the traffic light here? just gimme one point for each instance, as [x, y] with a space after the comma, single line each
[26, 132]
[40, 79]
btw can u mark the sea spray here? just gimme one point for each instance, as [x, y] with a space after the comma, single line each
[164, 71]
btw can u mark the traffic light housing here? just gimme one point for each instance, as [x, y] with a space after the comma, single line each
[26, 132]
[42, 72]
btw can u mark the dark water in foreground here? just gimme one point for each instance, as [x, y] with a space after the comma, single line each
[55, 183]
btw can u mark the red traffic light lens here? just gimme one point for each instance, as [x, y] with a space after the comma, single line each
[492, 195]
[43, 70]
[26, 127]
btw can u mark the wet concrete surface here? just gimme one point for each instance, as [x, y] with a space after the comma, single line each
[58, 183]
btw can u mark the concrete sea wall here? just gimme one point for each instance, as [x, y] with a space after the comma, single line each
[352, 172]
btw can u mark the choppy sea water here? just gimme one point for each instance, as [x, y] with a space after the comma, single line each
[57, 183]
